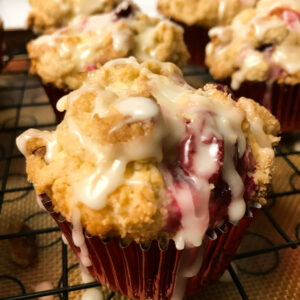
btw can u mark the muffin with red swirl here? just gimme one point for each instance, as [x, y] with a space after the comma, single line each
[198, 16]
[259, 55]
[146, 176]
[64, 58]
[48, 16]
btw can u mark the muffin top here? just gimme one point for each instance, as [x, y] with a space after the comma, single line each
[141, 154]
[203, 12]
[47, 16]
[65, 57]
[261, 44]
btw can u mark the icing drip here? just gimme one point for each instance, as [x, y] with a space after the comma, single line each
[64, 239]
[213, 122]
[189, 265]
[146, 45]
[237, 207]
[250, 60]
[199, 159]
[111, 159]
[138, 108]
[92, 293]
[221, 11]
[265, 141]
[287, 56]
[186, 193]
[50, 138]
[78, 237]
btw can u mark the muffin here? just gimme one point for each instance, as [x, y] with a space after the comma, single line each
[259, 54]
[64, 58]
[197, 16]
[144, 169]
[48, 16]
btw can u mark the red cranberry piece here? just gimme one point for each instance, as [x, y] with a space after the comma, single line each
[292, 18]
[174, 217]
[188, 151]
[123, 11]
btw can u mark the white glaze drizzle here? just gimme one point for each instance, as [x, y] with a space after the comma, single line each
[111, 159]
[237, 206]
[193, 226]
[265, 141]
[138, 108]
[78, 237]
[288, 57]
[93, 293]
[221, 10]
[146, 45]
[225, 123]
[64, 239]
[50, 138]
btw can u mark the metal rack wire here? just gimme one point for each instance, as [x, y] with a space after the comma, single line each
[63, 289]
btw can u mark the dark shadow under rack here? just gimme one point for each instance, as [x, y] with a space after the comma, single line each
[64, 290]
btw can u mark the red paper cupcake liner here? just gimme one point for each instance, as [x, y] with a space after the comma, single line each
[154, 273]
[196, 38]
[282, 100]
[54, 94]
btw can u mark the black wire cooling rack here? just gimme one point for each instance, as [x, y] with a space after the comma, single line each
[63, 290]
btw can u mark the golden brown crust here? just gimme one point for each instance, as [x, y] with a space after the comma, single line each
[264, 158]
[48, 16]
[111, 132]
[203, 12]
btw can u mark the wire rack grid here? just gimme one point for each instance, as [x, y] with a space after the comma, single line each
[9, 153]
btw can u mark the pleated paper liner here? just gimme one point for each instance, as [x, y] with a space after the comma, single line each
[282, 100]
[54, 94]
[153, 272]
